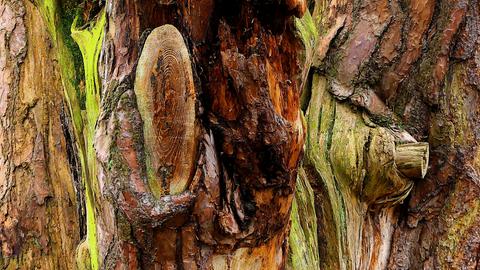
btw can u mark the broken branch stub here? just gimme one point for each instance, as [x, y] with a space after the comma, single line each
[166, 100]
[412, 159]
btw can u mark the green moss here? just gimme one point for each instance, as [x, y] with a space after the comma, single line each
[69, 11]
[89, 40]
[70, 75]
[48, 8]
[307, 30]
[78, 63]
[303, 235]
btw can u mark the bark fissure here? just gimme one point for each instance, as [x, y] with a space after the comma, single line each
[76, 171]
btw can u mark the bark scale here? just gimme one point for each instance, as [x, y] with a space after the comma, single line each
[224, 201]
[86, 167]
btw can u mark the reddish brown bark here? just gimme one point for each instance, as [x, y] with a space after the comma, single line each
[394, 73]
[245, 148]
[246, 71]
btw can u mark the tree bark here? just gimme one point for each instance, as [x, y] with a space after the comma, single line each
[384, 76]
[40, 177]
[165, 134]
[179, 134]
[223, 94]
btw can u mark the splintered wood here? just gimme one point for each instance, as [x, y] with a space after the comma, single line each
[412, 159]
[166, 101]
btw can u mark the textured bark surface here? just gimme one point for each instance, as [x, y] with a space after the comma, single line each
[39, 174]
[235, 211]
[167, 134]
[184, 158]
[394, 72]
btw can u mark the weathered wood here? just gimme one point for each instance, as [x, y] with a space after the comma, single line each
[412, 159]
[410, 69]
[166, 101]
[303, 240]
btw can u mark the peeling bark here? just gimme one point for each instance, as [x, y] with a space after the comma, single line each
[38, 207]
[225, 198]
[167, 134]
[235, 212]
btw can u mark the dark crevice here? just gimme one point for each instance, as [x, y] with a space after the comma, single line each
[75, 169]
[178, 250]
[366, 149]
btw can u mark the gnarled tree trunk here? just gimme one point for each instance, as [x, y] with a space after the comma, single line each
[166, 134]
[391, 88]
[185, 120]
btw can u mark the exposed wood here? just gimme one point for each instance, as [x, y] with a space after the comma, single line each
[178, 147]
[412, 159]
[252, 134]
[351, 167]
[166, 97]
[303, 240]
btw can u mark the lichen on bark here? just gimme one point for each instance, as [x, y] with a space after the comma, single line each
[82, 93]
[90, 39]
[38, 202]
[395, 67]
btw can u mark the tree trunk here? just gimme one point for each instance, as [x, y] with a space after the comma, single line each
[40, 177]
[381, 78]
[209, 181]
[166, 134]
[184, 119]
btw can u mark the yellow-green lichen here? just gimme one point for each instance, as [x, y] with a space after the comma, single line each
[57, 16]
[89, 41]
[307, 30]
[303, 234]
[70, 78]
[89, 38]
[455, 132]
[320, 121]
[334, 158]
